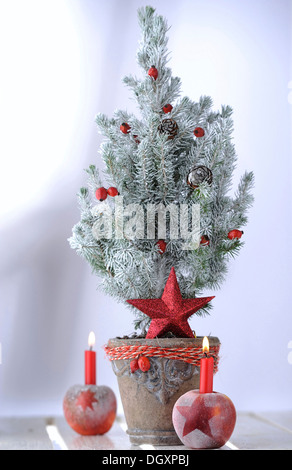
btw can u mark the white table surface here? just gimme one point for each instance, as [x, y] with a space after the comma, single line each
[253, 431]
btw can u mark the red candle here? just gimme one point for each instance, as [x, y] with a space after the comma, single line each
[90, 362]
[206, 369]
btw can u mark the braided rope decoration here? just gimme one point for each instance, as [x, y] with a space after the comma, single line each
[191, 355]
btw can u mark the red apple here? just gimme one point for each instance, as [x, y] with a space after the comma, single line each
[203, 420]
[90, 409]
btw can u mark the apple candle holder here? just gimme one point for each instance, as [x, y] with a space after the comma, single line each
[204, 420]
[90, 409]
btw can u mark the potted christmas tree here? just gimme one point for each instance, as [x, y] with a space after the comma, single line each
[159, 229]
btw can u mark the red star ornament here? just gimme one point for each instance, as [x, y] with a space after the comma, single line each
[86, 399]
[197, 417]
[171, 312]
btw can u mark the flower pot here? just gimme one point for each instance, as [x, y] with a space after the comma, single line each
[148, 398]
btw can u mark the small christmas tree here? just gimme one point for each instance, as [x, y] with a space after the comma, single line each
[177, 155]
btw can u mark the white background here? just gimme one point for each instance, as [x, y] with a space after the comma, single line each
[62, 62]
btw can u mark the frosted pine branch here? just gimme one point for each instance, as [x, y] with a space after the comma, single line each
[147, 167]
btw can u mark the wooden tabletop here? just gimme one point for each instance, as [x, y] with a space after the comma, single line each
[253, 431]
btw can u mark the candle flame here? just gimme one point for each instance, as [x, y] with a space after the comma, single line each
[205, 345]
[91, 339]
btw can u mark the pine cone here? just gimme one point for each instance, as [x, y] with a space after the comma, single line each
[198, 175]
[169, 127]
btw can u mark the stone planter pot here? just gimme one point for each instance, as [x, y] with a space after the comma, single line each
[148, 397]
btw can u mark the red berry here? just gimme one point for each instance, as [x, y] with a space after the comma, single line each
[235, 234]
[205, 240]
[153, 72]
[101, 194]
[144, 363]
[161, 246]
[112, 191]
[199, 132]
[136, 139]
[125, 128]
[134, 365]
[167, 108]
